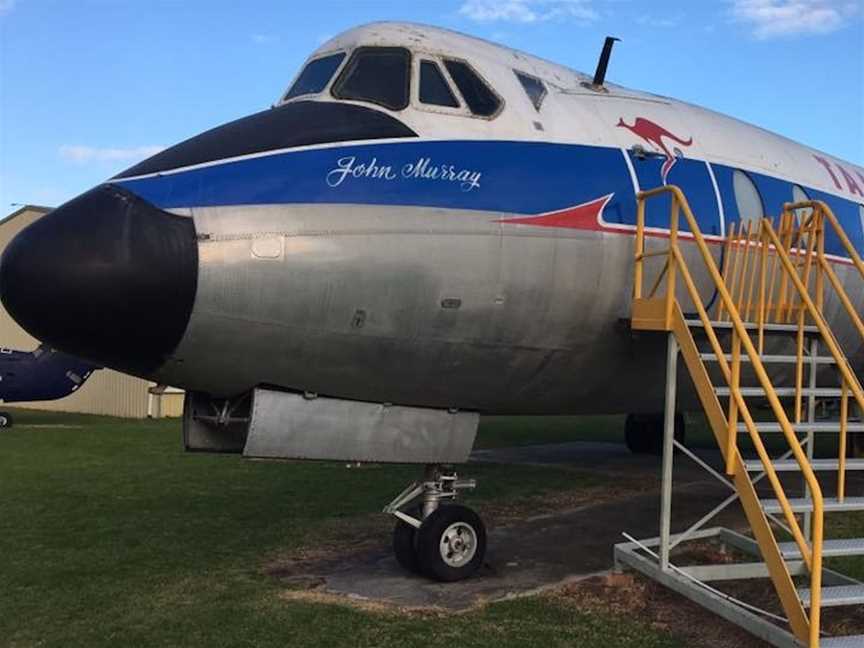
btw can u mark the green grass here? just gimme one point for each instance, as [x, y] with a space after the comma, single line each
[847, 525]
[111, 535]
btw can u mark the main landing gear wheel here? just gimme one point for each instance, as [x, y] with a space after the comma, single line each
[5, 420]
[643, 433]
[438, 539]
[405, 546]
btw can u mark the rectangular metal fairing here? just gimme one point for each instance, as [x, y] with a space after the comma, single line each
[291, 426]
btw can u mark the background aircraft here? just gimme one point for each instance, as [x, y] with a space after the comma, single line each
[39, 375]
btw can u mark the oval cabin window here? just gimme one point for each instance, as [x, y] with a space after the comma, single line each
[861, 214]
[747, 198]
[799, 194]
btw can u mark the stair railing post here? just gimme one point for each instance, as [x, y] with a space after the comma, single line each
[640, 248]
[820, 248]
[734, 387]
[811, 437]
[763, 287]
[672, 273]
[668, 449]
[844, 423]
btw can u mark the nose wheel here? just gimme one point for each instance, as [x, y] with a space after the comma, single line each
[440, 539]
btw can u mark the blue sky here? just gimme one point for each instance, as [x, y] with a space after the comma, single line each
[87, 87]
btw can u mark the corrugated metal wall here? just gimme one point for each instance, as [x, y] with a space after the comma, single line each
[107, 392]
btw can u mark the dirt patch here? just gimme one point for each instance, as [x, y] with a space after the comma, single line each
[372, 607]
[632, 597]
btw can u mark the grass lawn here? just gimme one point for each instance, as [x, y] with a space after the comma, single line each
[111, 535]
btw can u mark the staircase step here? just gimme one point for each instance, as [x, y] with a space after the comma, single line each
[800, 505]
[830, 549]
[785, 392]
[790, 465]
[842, 642]
[773, 359]
[753, 326]
[824, 427]
[836, 596]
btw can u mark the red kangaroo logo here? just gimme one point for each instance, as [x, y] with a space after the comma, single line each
[654, 134]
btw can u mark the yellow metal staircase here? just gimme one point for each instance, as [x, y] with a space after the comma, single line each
[752, 331]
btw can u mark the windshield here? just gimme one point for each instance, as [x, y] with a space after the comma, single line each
[479, 97]
[315, 76]
[379, 75]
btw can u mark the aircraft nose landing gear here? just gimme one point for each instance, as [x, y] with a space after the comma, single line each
[440, 539]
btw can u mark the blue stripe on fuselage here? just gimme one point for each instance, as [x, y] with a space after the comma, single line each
[500, 176]
[508, 177]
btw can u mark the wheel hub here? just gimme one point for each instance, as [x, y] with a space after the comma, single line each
[458, 544]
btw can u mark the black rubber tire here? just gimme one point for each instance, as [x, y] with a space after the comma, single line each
[405, 547]
[643, 433]
[636, 434]
[5, 420]
[429, 538]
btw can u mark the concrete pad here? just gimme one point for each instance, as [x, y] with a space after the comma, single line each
[533, 553]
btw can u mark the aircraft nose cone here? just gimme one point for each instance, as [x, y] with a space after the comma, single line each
[107, 277]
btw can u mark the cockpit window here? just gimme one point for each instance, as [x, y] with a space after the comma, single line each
[534, 88]
[433, 86]
[379, 75]
[315, 76]
[479, 97]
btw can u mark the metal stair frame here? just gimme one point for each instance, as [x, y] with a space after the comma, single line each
[665, 314]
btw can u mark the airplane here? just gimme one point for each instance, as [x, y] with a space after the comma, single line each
[425, 227]
[39, 375]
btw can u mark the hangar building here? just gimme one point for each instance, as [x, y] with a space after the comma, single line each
[107, 392]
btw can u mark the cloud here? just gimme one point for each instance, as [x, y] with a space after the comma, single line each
[80, 154]
[660, 21]
[6, 6]
[778, 18]
[528, 11]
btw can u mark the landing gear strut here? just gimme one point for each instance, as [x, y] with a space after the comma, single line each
[643, 433]
[434, 536]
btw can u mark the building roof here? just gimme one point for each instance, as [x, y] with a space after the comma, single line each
[25, 208]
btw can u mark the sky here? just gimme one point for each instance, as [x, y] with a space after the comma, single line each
[88, 87]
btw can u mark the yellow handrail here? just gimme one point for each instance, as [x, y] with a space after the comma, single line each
[820, 213]
[765, 237]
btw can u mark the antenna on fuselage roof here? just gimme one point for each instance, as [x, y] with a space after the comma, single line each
[602, 64]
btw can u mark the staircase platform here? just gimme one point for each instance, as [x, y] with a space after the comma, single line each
[772, 359]
[819, 465]
[830, 549]
[838, 596]
[784, 392]
[753, 326]
[830, 427]
[801, 505]
[842, 642]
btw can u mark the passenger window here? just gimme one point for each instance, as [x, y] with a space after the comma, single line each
[433, 86]
[378, 75]
[534, 88]
[479, 97]
[315, 76]
[861, 214]
[747, 198]
[800, 195]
